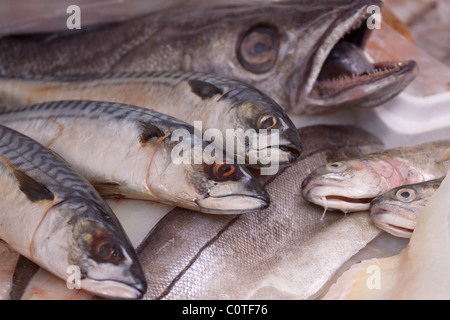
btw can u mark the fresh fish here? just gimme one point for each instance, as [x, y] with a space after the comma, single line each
[397, 210]
[54, 217]
[132, 152]
[281, 48]
[284, 252]
[419, 272]
[351, 185]
[217, 102]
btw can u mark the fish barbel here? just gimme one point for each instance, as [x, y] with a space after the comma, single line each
[397, 210]
[351, 185]
[132, 152]
[217, 102]
[307, 56]
[54, 217]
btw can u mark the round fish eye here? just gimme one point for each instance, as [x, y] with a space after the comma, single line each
[336, 166]
[222, 172]
[257, 50]
[104, 249]
[406, 194]
[267, 121]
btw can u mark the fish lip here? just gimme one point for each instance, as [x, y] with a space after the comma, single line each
[379, 216]
[367, 90]
[114, 289]
[264, 202]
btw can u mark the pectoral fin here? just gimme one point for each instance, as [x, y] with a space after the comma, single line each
[33, 189]
[204, 89]
[107, 189]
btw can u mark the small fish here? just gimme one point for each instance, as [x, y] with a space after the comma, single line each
[128, 151]
[397, 210]
[217, 102]
[308, 56]
[351, 185]
[55, 218]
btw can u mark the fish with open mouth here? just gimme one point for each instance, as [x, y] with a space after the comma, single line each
[307, 56]
[397, 210]
[54, 217]
[351, 185]
[217, 102]
[132, 152]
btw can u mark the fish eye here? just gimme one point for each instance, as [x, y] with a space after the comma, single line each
[105, 250]
[336, 166]
[267, 121]
[406, 194]
[222, 172]
[258, 49]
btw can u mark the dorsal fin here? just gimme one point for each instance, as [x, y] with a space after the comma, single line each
[33, 189]
[204, 89]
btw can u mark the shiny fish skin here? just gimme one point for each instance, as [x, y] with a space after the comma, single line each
[351, 185]
[126, 151]
[278, 47]
[54, 217]
[217, 102]
[398, 210]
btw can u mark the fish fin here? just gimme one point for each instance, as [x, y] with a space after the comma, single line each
[149, 132]
[23, 273]
[107, 189]
[204, 90]
[33, 189]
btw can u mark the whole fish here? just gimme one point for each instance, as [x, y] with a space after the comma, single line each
[217, 102]
[306, 56]
[54, 217]
[132, 152]
[397, 210]
[351, 185]
[284, 252]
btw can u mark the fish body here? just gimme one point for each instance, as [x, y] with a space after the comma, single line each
[132, 152]
[217, 102]
[54, 217]
[281, 48]
[398, 210]
[351, 185]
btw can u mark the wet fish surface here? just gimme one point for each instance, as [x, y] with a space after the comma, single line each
[54, 217]
[217, 102]
[127, 151]
[306, 56]
[398, 210]
[194, 256]
[351, 185]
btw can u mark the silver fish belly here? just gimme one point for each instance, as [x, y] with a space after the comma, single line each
[54, 217]
[351, 185]
[128, 151]
[397, 210]
[286, 49]
[216, 102]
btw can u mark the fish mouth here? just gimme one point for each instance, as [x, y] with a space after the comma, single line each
[341, 75]
[390, 221]
[114, 289]
[233, 204]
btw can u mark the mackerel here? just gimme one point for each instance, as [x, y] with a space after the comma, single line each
[132, 152]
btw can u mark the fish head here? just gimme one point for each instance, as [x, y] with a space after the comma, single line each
[260, 128]
[290, 51]
[191, 172]
[99, 249]
[349, 185]
[398, 210]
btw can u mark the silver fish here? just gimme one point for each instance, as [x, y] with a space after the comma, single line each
[281, 48]
[54, 217]
[127, 151]
[272, 254]
[217, 102]
[351, 185]
[397, 210]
